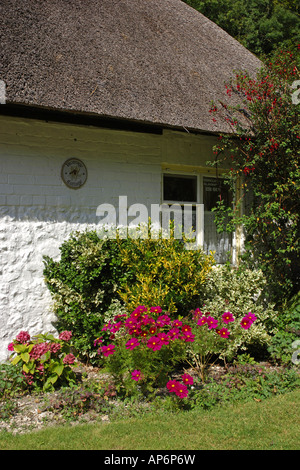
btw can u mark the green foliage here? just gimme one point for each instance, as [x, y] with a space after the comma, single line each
[288, 331]
[11, 380]
[262, 26]
[241, 290]
[97, 277]
[83, 286]
[162, 272]
[243, 384]
[263, 157]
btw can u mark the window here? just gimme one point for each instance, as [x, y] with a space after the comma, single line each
[201, 189]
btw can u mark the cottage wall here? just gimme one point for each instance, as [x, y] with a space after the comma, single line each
[38, 211]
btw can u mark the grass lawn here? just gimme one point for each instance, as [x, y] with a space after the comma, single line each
[271, 424]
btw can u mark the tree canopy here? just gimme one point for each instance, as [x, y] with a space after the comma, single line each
[262, 26]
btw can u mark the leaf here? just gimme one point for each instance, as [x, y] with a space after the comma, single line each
[25, 357]
[58, 369]
[16, 360]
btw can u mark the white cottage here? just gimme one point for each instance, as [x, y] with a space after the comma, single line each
[122, 87]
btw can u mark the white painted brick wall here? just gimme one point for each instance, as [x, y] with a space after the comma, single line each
[38, 212]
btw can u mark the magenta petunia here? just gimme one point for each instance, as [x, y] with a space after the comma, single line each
[164, 338]
[181, 390]
[227, 317]
[154, 343]
[246, 322]
[136, 375]
[187, 379]
[171, 385]
[212, 323]
[132, 343]
[223, 332]
[108, 350]
[156, 309]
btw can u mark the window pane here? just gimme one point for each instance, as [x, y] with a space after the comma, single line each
[213, 190]
[180, 188]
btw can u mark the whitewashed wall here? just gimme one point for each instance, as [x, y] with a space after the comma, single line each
[38, 212]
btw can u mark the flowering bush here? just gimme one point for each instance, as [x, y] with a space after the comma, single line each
[145, 347]
[45, 360]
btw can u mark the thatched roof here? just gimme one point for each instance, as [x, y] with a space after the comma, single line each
[154, 61]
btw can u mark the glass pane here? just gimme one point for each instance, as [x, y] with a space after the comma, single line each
[215, 189]
[180, 188]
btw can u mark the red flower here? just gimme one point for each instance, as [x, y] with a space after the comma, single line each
[108, 350]
[154, 343]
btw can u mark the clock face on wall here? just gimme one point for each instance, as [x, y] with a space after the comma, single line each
[74, 173]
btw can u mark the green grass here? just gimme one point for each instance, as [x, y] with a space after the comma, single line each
[271, 424]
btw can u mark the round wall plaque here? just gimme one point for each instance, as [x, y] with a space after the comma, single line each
[74, 173]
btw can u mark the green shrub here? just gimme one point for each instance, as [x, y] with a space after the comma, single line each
[83, 287]
[240, 291]
[163, 272]
[288, 331]
[97, 277]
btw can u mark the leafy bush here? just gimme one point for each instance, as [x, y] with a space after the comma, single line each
[83, 286]
[288, 331]
[239, 291]
[97, 277]
[45, 360]
[147, 345]
[164, 273]
[12, 381]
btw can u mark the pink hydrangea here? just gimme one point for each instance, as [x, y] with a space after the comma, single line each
[65, 335]
[69, 359]
[23, 337]
[10, 347]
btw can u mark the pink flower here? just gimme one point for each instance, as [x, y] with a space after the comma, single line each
[132, 343]
[171, 385]
[223, 332]
[108, 350]
[202, 321]
[69, 359]
[246, 322]
[136, 375]
[39, 350]
[97, 341]
[252, 317]
[187, 379]
[156, 309]
[10, 347]
[227, 317]
[23, 337]
[55, 347]
[65, 335]
[174, 333]
[186, 328]
[176, 323]
[163, 320]
[188, 337]
[212, 323]
[139, 310]
[154, 343]
[181, 390]
[164, 338]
